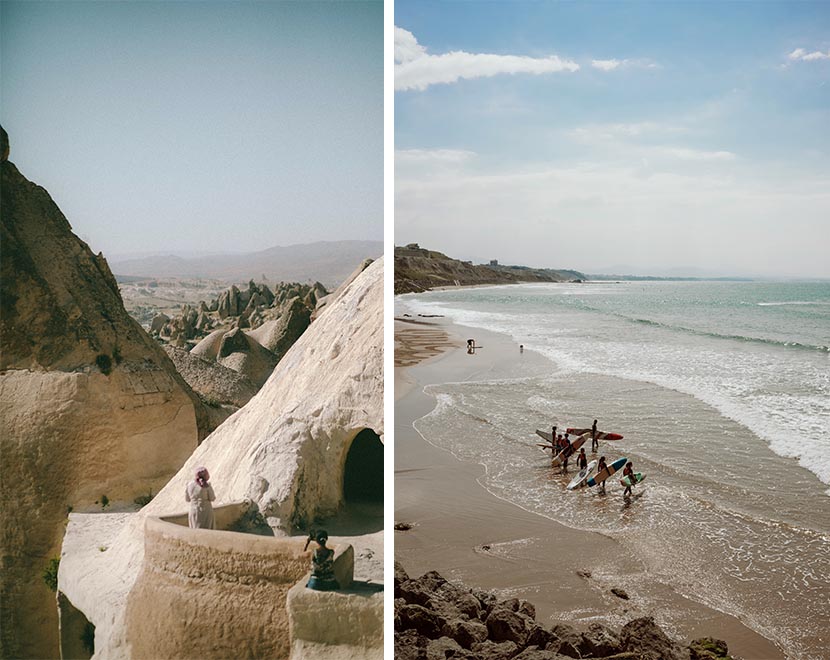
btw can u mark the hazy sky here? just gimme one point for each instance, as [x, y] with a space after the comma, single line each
[589, 135]
[199, 126]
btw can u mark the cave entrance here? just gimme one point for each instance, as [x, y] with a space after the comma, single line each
[363, 473]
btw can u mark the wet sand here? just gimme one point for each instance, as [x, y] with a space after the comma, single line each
[468, 534]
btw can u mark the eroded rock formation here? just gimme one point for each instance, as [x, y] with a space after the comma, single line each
[90, 405]
[247, 331]
[222, 390]
[322, 298]
[290, 304]
[286, 451]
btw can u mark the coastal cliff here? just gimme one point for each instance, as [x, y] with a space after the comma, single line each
[418, 269]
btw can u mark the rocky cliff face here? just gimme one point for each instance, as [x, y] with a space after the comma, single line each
[90, 405]
[417, 269]
[290, 451]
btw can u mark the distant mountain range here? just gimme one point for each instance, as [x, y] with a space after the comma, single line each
[328, 262]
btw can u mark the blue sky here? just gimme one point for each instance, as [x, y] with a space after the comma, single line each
[199, 126]
[590, 135]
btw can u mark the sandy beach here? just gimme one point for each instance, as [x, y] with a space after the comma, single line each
[468, 534]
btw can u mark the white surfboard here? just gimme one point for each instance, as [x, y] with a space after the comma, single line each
[580, 478]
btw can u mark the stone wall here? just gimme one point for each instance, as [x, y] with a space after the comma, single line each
[212, 594]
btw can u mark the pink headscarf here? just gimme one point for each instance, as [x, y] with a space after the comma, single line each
[202, 476]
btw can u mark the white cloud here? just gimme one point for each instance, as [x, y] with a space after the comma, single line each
[611, 65]
[800, 54]
[606, 65]
[407, 47]
[547, 214]
[432, 155]
[640, 140]
[415, 69]
[683, 153]
[597, 132]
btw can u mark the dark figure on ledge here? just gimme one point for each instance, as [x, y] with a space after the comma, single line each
[322, 563]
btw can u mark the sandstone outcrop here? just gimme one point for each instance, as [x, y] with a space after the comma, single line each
[246, 330]
[278, 335]
[290, 451]
[322, 298]
[222, 390]
[437, 618]
[90, 405]
[249, 307]
[246, 356]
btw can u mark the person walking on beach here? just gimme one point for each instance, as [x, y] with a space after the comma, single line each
[628, 471]
[200, 494]
[594, 441]
[600, 467]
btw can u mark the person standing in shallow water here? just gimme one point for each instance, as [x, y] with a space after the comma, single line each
[628, 471]
[600, 467]
[594, 441]
[200, 494]
[568, 451]
[582, 459]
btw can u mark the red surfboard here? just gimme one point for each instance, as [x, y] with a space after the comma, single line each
[600, 434]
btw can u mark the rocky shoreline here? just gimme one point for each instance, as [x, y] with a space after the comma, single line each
[435, 618]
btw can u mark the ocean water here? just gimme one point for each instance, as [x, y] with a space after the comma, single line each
[722, 391]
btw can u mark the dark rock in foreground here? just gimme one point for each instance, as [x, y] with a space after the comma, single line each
[435, 618]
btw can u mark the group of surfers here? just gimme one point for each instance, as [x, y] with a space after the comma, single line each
[561, 443]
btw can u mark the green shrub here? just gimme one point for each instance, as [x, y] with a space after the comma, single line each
[144, 500]
[116, 355]
[105, 501]
[209, 400]
[50, 573]
[104, 363]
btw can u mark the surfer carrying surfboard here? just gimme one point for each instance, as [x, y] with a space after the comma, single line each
[567, 449]
[628, 471]
[600, 467]
[582, 459]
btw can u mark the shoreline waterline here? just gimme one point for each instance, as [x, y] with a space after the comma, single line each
[495, 543]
